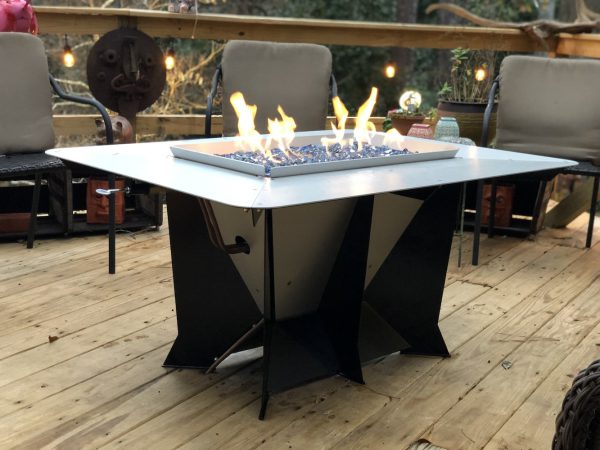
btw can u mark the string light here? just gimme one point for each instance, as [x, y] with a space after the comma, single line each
[481, 74]
[68, 57]
[170, 59]
[390, 70]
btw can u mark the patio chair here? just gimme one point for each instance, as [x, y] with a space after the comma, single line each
[547, 107]
[26, 129]
[296, 76]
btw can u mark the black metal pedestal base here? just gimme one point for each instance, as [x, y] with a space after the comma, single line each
[398, 310]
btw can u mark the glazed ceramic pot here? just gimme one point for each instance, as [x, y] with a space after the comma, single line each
[446, 127]
[421, 130]
[469, 117]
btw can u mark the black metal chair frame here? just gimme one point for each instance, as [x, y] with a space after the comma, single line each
[583, 168]
[38, 164]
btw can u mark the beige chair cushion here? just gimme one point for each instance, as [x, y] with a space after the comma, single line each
[25, 95]
[295, 76]
[550, 107]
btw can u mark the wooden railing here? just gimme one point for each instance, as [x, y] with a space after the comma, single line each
[86, 21]
[60, 20]
[172, 124]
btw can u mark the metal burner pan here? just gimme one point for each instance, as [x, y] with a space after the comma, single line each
[207, 151]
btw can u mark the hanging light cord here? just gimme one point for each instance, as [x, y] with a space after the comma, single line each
[195, 19]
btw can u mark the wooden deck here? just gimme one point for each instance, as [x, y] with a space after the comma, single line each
[533, 304]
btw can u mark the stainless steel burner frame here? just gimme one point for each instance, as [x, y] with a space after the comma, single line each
[208, 151]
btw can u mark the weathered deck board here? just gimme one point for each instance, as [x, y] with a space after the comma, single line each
[101, 383]
[532, 426]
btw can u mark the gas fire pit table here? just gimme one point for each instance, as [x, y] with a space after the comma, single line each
[337, 267]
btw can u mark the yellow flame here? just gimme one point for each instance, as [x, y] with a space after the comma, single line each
[364, 129]
[341, 114]
[247, 131]
[282, 131]
[393, 138]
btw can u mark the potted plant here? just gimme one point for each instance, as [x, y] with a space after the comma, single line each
[464, 96]
[407, 114]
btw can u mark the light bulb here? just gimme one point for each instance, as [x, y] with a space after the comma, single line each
[481, 74]
[68, 57]
[390, 71]
[170, 59]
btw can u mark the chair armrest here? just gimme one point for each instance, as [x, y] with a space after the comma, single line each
[209, 102]
[86, 101]
[485, 132]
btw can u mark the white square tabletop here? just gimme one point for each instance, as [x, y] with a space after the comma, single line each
[154, 163]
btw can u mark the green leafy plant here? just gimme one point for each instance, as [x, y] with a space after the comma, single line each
[471, 76]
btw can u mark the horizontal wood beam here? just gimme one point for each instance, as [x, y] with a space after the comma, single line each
[74, 20]
[162, 125]
[585, 45]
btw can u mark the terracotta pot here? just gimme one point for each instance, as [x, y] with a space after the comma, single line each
[421, 130]
[469, 117]
[403, 122]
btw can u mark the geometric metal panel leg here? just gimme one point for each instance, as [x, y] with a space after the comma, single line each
[269, 310]
[590, 232]
[342, 300]
[111, 226]
[406, 293]
[477, 223]
[325, 342]
[214, 306]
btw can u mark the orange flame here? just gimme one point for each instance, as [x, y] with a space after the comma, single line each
[282, 131]
[341, 114]
[364, 128]
[393, 138]
[247, 131]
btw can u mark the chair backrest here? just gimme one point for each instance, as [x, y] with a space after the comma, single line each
[550, 107]
[295, 76]
[25, 95]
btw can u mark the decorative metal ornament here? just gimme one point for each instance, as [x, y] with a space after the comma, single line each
[126, 71]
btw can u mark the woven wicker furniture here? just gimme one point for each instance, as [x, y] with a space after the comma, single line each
[578, 423]
[26, 116]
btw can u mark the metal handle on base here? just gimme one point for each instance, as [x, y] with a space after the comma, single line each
[107, 192]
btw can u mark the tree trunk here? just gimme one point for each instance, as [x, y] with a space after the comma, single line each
[548, 9]
[594, 5]
[443, 56]
[406, 12]
[566, 10]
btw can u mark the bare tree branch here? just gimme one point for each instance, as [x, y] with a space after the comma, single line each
[540, 30]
